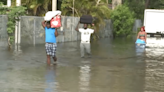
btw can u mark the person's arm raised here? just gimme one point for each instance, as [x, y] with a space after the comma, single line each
[56, 32]
[77, 27]
[43, 24]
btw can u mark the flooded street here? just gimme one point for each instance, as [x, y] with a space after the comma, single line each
[116, 66]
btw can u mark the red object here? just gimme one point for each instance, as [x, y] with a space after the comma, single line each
[143, 28]
[55, 22]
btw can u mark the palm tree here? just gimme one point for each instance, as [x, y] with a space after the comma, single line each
[35, 7]
[4, 2]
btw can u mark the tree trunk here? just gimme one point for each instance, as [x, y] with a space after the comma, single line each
[116, 3]
[146, 4]
[98, 1]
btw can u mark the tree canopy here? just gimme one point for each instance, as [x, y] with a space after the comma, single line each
[97, 8]
[138, 6]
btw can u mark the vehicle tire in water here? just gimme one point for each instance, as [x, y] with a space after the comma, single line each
[162, 35]
[151, 35]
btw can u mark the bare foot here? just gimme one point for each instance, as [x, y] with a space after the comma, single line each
[54, 63]
[55, 60]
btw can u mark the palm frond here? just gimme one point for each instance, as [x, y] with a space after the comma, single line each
[35, 8]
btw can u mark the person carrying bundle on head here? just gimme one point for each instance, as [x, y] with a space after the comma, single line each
[85, 34]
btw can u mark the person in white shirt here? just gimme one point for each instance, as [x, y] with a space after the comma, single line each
[85, 39]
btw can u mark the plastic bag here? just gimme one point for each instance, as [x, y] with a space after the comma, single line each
[55, 22]
[50, 14]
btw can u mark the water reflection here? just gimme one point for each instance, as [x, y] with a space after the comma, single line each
[154, 76]
[84, 78]
[109, 70]
[50, 79]
[140, 49]
[155, 42]
[155, 53]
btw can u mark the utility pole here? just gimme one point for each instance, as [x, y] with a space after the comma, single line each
[18, 2]
[17, 30]
[54, 5]
[116, 3]
[8, 3]
[73, 12]
[73, 8]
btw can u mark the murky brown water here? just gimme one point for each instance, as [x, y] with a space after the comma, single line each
[116, 66]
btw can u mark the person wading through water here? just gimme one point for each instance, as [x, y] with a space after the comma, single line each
[85, 39]
[142, 35]
[50, 39]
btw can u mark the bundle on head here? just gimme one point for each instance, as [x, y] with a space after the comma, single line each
[86, 19]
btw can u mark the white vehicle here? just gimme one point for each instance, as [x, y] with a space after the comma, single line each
[155, 42]
[154, 27]
[154, 22]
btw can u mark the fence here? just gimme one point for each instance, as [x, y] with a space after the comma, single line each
[3, 30]
[33, 33]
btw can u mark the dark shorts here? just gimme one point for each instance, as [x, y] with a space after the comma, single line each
[51, 49]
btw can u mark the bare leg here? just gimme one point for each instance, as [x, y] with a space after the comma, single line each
[55, 59]
[82, 50]
[48, 59]
[87, 46]
[54, 53]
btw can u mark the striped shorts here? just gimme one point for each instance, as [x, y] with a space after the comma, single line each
[51, 49]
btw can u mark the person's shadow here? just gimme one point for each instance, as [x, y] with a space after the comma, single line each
[50, 79]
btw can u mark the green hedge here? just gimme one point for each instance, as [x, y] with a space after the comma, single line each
[123, 20]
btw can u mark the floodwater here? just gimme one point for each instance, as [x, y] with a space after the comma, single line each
[116, 66]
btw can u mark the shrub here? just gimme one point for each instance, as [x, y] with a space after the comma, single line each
[13, 13]
[123, 20]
